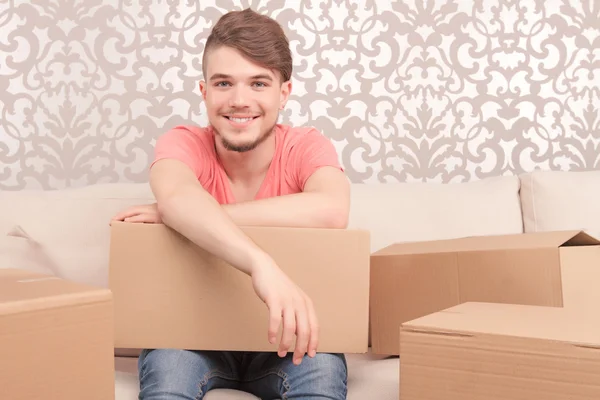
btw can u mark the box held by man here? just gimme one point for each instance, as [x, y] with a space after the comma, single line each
[169, 293]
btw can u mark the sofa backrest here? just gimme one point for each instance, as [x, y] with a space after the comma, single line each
[561, 200]
[66, 232]
[409, 212]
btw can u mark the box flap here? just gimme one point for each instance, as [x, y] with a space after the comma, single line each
[22, 291]
[474, 318]
[495, 242]
[581, 238]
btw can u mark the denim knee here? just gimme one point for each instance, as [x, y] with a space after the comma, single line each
[181, 374]
[165, 373]
[325, 376]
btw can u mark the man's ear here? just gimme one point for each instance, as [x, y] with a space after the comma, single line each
[202, 86]
[286, 90]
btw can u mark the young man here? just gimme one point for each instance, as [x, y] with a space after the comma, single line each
[245, 169]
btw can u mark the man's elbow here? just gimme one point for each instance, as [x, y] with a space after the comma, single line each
[335, 218]
[163, 207]
[170, 206]
[338, 222]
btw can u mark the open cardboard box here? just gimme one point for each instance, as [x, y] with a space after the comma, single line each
[56, 339]
[479, 351]
[411, 280]
[169, 293]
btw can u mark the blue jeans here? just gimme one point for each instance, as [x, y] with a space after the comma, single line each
[167, 374]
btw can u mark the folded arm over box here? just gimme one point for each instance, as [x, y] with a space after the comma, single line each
[185, 206]
[325, 203]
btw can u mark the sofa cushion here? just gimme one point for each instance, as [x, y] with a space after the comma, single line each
[559, 200]
[19, 251]
[71, 226]
[408, 212]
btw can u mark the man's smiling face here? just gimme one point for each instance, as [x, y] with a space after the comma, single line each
[242, 98]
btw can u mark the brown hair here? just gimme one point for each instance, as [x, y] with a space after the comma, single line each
[258, 37]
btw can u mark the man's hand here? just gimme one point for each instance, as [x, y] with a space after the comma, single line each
[145, 213]
[287, 303]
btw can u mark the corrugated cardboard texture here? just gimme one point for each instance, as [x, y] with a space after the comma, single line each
[56, 339]
[478, 351]
[411, 280]
[169, 293]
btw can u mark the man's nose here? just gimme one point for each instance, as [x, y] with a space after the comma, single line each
[239, 97]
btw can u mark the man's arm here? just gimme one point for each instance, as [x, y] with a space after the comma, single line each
[184, 205]
[324, 203]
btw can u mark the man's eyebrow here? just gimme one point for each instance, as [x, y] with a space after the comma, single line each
[255, 77]
[220, 76]
[262, 76]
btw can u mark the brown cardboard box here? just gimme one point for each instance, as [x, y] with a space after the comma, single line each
[56, 339]
[477, 351]
[411, 280]
[169, 293]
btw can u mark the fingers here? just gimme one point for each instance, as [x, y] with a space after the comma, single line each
[274, 322]
[147, 213]
[140, 214]
[314, 328]
[290, 308]
[143, 218]
[130, 212]
[302, 332]
[122, 215]
[289, 329]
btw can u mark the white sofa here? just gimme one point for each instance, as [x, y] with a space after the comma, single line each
[66, 233]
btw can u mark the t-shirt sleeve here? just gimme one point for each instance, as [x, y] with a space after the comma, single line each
[185, 145]
[312, 151]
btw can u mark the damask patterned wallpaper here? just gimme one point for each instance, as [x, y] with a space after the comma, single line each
[443, 91]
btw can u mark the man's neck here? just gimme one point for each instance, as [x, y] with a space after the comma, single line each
[247, 166]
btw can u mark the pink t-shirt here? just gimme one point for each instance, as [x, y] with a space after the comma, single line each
[299, 152]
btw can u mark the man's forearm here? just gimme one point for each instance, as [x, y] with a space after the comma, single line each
[197, 216]
[301, 210]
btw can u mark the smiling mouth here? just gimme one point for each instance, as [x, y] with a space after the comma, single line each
[240, 120]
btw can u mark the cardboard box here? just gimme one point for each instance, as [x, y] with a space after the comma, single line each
[169, 293]
[477, 351]
[56, 339]
[411, 280]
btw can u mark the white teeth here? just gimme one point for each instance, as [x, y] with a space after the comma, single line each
[240, 120]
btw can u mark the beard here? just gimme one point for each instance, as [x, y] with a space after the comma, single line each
[245, 147]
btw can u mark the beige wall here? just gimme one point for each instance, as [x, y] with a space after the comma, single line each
[446, 92]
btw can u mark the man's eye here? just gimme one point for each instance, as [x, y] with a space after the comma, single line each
[222, 83]
[260, 84]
